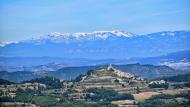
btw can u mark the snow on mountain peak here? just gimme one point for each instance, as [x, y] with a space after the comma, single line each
[55, 34]
[116, 33]
[168, 33]
[96, 35]
[2, 44]
[83, 35]
[65, 37]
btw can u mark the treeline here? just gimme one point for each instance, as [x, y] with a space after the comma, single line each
[162, 85]
[177, 78]
[102, 94]
[166, 100]
[47, 100]
[50, 82]
[5, 82]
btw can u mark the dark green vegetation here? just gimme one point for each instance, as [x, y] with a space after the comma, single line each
[58, 93]
[50, 82]
[44, 100]
[184, 95]
[96, 97]
[162, 96]
[146, 71]
[79, 78]
[18, 76]
[103, 94]
[165, 100]
[54, 101]
[50, 101]
[24, 95]
[6, 99]
[5, 82]
[187, 84]
[177, 78]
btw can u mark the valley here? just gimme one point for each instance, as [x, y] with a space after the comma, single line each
[69, 73]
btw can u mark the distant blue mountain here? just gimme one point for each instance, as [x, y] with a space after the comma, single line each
[180, 59]
[99, 45]
[67, 73]
[170, 57]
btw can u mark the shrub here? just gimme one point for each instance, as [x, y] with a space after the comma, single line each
[161, 100]
[187, 84]
[125, 96]
[106, 95]
[6, 99]
[79, 78]
[101, 94]
[24, 95]
[162, 96]
[50, 82]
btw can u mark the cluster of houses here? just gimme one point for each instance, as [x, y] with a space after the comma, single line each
[123, 74]
[119, 73]
[158, 82]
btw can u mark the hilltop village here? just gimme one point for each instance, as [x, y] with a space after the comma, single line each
[107, 87]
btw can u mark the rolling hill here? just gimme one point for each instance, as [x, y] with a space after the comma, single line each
[145, 71]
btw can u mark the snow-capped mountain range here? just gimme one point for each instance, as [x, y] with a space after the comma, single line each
[64, 37]
[99, 45]
[79, 36]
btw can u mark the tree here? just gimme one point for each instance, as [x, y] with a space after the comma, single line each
[125, 96]
[5, 82]
[24, 95]
[116, 80]
[160, 100]
[90, 72]
[6, 99]
[79, 78]
[138, 90]
[97, 94]
[50, 82]
[101, 94]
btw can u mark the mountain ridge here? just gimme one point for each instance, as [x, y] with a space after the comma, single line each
[146, 71]
[78, 35]
[117, 45]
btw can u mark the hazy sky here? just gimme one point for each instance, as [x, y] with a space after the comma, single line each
[23, 19]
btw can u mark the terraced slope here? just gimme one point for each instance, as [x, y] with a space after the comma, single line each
[115, 79]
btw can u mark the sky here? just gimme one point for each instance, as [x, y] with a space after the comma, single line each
[24, 19]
